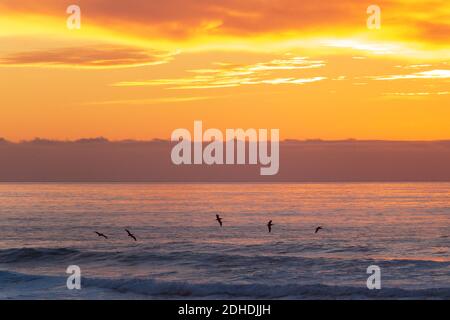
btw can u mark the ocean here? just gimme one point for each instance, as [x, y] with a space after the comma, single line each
[183, 253]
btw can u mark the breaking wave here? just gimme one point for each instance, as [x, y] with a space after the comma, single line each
[153, 289]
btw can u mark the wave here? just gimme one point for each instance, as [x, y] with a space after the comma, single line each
[148, 287]
[131, 257]
[17, 255]
[153, 289]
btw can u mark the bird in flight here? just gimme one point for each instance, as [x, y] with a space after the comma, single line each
[317, 229]
[131, 235]
[101, 235]
[269, 226]
[219, 219]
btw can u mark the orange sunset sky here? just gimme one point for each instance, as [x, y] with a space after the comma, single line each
[140, 69]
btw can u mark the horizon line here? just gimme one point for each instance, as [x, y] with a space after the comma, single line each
[102, 139]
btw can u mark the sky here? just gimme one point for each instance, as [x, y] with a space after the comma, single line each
[140, 69]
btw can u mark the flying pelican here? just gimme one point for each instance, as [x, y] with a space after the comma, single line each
[269, 225]
[318, 228]
[219, 219]
[131, 235]
[101, 235]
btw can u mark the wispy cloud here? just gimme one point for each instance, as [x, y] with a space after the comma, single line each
[100, 56]
[229, 75]
[414, 66]
[431, 74]
[417, 94]
[149, 101]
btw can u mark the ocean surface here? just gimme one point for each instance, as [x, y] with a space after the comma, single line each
[183, 253]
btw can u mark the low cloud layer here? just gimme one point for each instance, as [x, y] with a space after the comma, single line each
[99, 160]
[100, 56]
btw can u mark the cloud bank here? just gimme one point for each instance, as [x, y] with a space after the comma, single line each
[100, 160]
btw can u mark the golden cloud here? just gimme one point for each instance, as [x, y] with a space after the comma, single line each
[101, 56]
[229, 75]
[430, 74]
[180, 19]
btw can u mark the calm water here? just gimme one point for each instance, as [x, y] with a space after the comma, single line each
[182, 252]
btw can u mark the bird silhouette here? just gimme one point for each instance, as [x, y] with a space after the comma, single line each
[101, 235]
[131, 235]
[219, 219]
[269, 226]
[317, 229]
